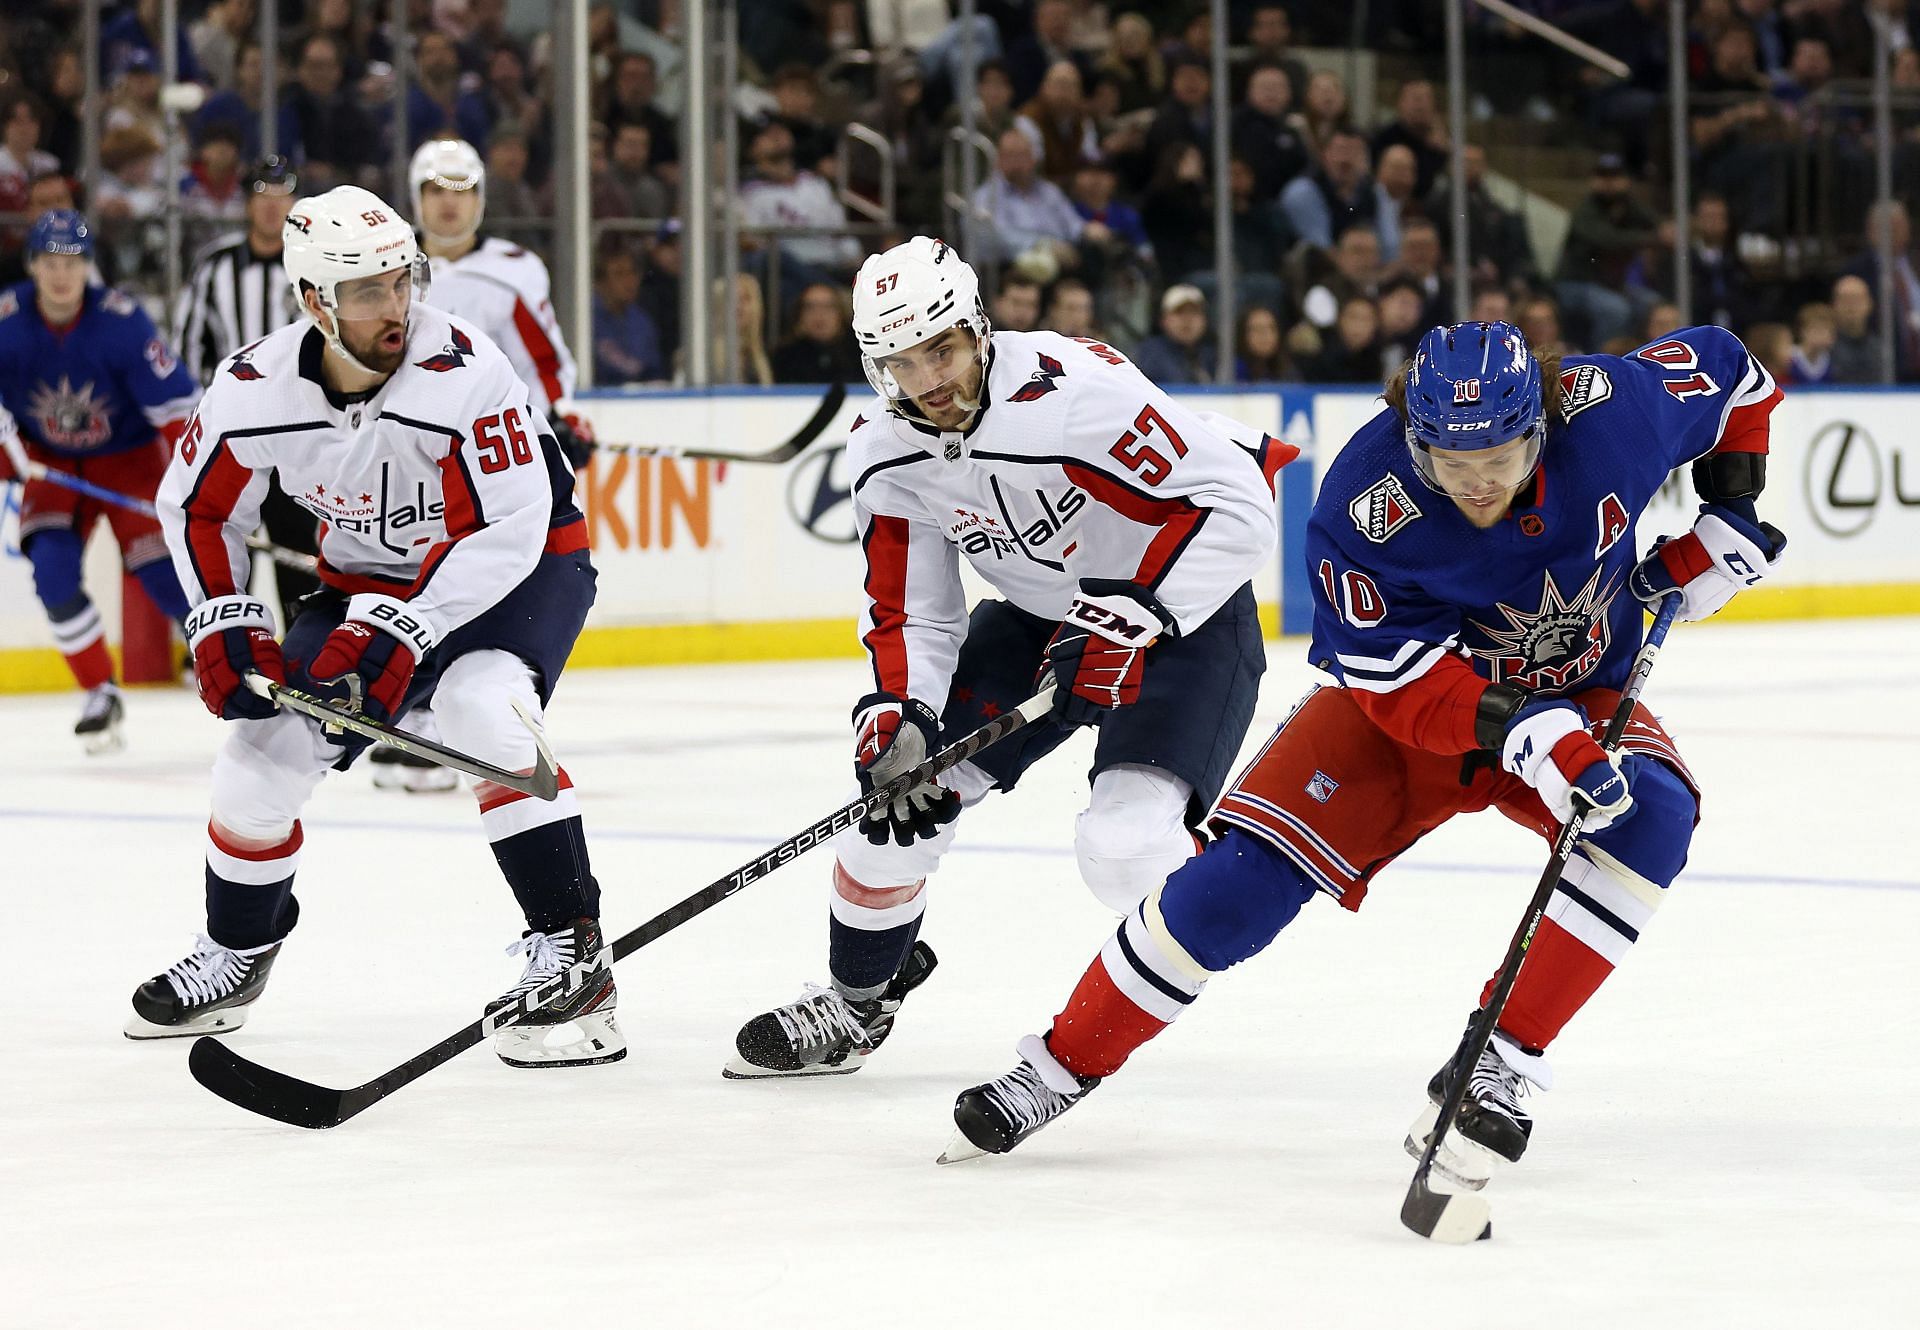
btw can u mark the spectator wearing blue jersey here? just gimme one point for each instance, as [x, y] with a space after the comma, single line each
[626, 345]
[87, 390]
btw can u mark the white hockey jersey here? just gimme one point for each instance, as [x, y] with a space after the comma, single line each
[505, 291]
[443, 488]
[1077, 467]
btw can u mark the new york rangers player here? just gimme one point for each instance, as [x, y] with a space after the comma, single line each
[88, 387]
[1478, 600]
[504, 291]
[456, 567]
[1120, 526]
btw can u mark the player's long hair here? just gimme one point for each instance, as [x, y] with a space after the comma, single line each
[1395, 388]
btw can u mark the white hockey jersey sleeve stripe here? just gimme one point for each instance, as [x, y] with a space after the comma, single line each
[915, 617]
[208, 502]
[1388, 681]
[552, 366]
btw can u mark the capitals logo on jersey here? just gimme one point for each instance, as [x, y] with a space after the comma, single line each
[1556, 645]
[458, 349]
[1041, 383]
[70, 417]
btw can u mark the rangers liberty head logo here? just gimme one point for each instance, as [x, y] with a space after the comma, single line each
[1555, 646]
[69, 417]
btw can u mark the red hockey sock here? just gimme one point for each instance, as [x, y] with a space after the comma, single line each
[91, 665]
[1559, 974]
[1100, 1027]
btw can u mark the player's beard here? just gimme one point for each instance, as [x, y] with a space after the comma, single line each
[962, 399]
[375, 351]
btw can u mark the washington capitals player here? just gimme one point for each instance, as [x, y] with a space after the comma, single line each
[1478, 600]
[1120, 526]
[503, 290]
[87, 386]
[456, 567]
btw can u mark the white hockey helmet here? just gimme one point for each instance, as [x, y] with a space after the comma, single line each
[910, 293]
[451, 164]
[344, 234]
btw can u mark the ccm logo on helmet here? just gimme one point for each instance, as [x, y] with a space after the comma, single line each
[897, 323]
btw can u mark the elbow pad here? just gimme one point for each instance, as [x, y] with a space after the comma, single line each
[1720, 477]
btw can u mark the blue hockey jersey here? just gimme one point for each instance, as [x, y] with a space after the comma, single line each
[106, 384]
[1407, 590]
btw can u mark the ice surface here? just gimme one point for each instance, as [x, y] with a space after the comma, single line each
[1732, 1140]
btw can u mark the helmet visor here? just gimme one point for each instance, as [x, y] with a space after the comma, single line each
[383, 296]
[1479, 473]
[940, 376]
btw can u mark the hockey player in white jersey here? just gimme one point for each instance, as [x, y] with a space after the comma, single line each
[1120, 526]
[505, 291]
[455, 567]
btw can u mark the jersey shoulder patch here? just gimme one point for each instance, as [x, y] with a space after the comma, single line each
[458, 351]
[1383, 509]
[1041, 382]
[1582, 386]
[115, 301]
[9, 303]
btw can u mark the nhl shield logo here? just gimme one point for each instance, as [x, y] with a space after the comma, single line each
[1321, 787]
[1383, 510]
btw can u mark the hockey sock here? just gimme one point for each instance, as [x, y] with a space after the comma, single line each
[250, 892]
[870, 933]
[1607, 894]
[162, 586]
[77, 629]
[541, 847]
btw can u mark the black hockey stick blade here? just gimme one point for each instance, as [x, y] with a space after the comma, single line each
[299, 1103]
[1445, 1217]
[798, 443]
[543, 782]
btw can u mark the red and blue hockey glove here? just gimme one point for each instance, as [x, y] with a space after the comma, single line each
[894, 737]
[574, 433]
[1098, 654]
[230, 636]
[1729, 548]
[380, 641]
[1549, 747]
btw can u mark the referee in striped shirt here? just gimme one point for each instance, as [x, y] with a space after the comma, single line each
[237, 294]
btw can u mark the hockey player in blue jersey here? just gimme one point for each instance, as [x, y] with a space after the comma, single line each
[89, 388]
[1479, 601]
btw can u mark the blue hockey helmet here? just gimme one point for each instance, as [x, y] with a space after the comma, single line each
[1473, 387]
[60, 231]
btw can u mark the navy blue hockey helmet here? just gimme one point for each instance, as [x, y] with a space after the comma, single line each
[1473, 387]
[60, 231]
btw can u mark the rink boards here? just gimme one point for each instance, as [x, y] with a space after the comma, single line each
[701, 561]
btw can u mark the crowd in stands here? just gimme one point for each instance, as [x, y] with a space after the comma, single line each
[1094, 211]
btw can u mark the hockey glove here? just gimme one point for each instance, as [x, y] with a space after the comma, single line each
[895, 737]
[1098, 653]
[574, 433]
[230, 635]
[380, 643]
[1548, 746]
[1728, 548]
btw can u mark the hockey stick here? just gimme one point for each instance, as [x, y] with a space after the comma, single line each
[822, 417]
[32, 470]
[1466, 1216]
[301, 1103]
[543, 783]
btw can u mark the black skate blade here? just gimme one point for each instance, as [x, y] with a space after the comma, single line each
[269, 1093]
[1460, 1218]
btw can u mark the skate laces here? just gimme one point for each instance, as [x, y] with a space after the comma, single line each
[547, 955]
[1027, 1100]
[211, 971]
[1498, 1086]
[99, 703]
[821, 1016]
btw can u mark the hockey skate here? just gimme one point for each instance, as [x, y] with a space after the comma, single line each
[579, 1031]
[101, 717]
[395, 770]
[209, 992]
[823, 1033]
[1492, 1128]
[995, 1117]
